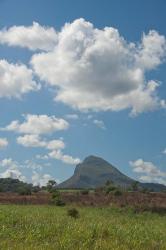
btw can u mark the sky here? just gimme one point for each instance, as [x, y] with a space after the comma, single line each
[81, 78]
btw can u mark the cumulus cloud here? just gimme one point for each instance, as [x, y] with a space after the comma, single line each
[30, 164]
[72, 116]
[16, 80]
[32, 140]
[32, 37]
[37, 124]
[14, 174]
[12, 170]
[164, 151]
[99, 123]
[58, 155]
[3, 143]
[41, 179]
[150, 172]
[42, 157]
[94, 69]
[152, 50]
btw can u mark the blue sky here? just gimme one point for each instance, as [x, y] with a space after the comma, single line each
[82, 78]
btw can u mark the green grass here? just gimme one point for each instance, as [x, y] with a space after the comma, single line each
[49, 227]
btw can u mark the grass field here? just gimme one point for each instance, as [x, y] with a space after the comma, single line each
[49, 227]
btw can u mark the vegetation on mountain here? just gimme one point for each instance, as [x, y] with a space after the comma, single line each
[17, 186]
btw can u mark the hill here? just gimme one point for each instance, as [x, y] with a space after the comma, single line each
[94, 172]
[16, 186]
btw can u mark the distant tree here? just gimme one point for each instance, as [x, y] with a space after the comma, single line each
[109, 182]
[36, 189]
[84, 191]
[135, 186]
[24, 191]
[117, 192]
[51, 185]
[110, 189]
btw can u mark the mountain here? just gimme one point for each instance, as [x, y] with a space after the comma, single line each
[94, 172]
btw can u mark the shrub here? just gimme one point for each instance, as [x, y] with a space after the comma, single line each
[135, 186]
[85, 191]
[110, 189]
[36, 189]
[59, 202]
[55, 194]
[56, 199]
[24, 191]
[117, 192]
[109, 183]
[145, 190]
[51, 185]
[73, 212]
[99, 190]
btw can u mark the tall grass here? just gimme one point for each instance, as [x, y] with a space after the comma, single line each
[50, 227]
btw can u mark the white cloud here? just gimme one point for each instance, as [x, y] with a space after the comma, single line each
[8, 162]
[57, 154]
[150, 171]
[37, 124]
[152, 50]
[72, 116]
[36, 141]
[164, 151]
[33, 37]
[12, 170]
[30, 141]
[95, 69]
[55, 144]
[30, 164]
[3, 143]
[16, 80]
[41, 180]
[99, 123]
[14, 174]
[42, 157]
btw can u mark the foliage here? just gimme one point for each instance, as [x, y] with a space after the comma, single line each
[51, 185]
[110, 189]
[56, 198]
[135, 186]
[85, 191]
[17, 186]
[24, 191]
[109, 183]
[117, 192]
[59, 202]
[73, 212]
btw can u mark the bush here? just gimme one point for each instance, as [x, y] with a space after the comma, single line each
[117, 192]
[36, 189]
[24, 191]
[55, 194]
[85, 191]
[59, 202]
[56, 199]
[110, 189]
[99, 190]
[73, 212]
[145, 190]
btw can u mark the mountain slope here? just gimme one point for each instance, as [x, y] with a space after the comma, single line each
[94, 172]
